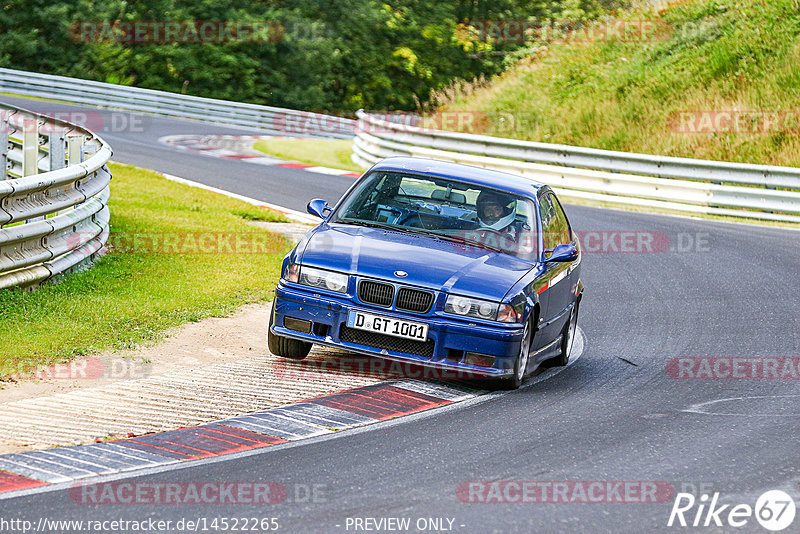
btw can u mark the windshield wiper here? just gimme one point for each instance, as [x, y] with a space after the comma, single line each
[464, 240]
[393, 227]
[369, 224]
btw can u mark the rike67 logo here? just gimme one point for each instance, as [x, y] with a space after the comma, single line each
[774, 510]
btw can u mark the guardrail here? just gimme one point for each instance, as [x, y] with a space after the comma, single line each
[677, 184]
[272, 119]
[54, 190]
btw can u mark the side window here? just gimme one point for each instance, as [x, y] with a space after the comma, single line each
[555, 227]
[562, 225]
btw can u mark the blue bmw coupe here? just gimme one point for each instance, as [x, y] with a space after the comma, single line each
[440, 264]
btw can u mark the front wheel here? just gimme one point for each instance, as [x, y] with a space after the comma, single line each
[521, 363]
[286, 347]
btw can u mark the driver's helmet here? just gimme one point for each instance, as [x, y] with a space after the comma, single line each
[495, 210]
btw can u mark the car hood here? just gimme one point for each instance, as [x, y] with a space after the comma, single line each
[431, 263]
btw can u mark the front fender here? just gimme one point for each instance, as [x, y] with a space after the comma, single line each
[524, 290]
[296, 254]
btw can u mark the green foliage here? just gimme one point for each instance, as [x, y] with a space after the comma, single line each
[334, 55]
[707, 56]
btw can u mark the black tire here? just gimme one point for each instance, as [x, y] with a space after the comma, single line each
[285, 347]
[515, 381]
[567, 339]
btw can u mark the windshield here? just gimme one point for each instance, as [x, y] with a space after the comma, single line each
[444, 208]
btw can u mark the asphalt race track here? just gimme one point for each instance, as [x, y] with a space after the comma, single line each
[134, 139]
[620, 413]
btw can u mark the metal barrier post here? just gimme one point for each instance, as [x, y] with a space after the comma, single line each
[74, 151]
[30, 146]
[57, 150]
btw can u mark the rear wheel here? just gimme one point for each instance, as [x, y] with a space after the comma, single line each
[567, 340]
[294, 349]
[521, 363]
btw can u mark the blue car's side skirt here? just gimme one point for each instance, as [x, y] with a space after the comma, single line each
[548, 351]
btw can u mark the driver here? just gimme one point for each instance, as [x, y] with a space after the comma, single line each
[497, 225]
[496, 211]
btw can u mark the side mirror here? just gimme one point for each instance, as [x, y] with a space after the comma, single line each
[318, 207]
[563, 253]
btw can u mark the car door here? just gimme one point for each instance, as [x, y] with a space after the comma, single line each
[554, 296]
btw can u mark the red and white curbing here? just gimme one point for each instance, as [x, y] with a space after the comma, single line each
[323, 415]
[240, 147]
[28, 472]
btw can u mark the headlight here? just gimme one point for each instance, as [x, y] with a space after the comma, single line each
[481, 309]
[318, 278]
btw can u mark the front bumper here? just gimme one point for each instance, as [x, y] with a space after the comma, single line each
[451, 337]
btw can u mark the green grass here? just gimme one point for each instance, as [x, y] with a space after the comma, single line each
[709, 55]
[333, 153]
[130, 298]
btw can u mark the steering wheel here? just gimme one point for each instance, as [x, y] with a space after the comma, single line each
[487, 229]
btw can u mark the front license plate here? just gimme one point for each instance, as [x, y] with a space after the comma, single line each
[387, 325]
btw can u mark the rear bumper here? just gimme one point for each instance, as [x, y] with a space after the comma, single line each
[451, 338]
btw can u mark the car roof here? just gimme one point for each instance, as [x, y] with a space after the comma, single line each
[465, 173]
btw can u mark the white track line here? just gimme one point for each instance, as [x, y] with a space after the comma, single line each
[290, 213]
